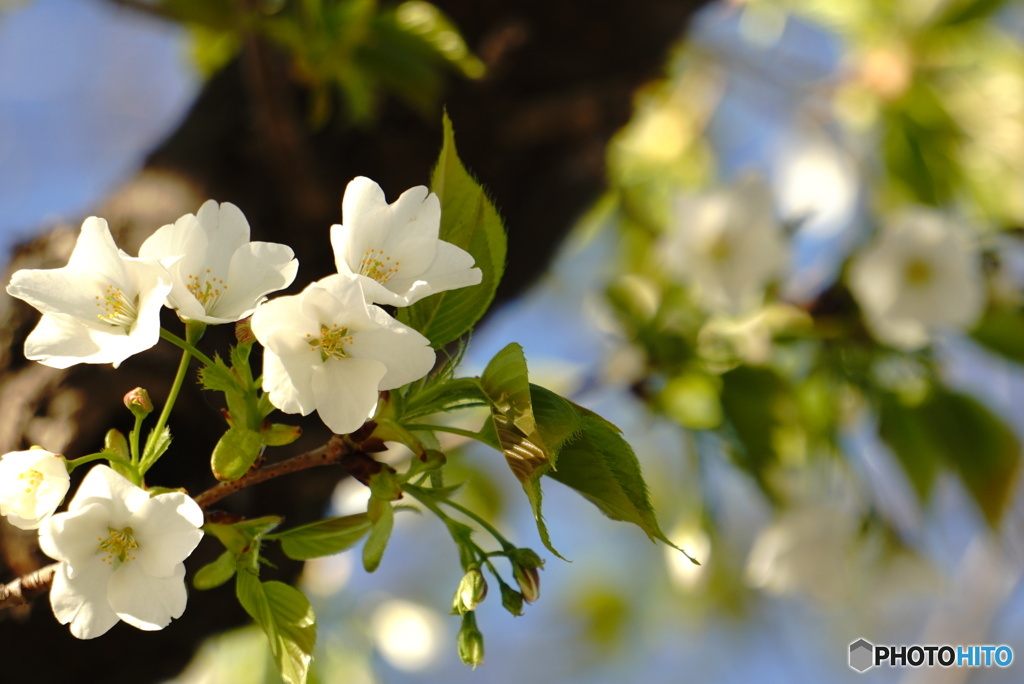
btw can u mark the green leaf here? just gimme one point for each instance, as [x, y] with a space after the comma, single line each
[444, 396]
[507, 386]
[383, 516]
[470, 221]
[506, 383]
[324, 537]
[287, 619]
[599, 464]
[235, 453]
[1002, 331]
[218, 572]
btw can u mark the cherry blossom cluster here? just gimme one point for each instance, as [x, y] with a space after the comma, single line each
[120, 546]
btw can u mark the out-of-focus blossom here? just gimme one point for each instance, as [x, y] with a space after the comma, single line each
[726, 245]
[919, 275]
[32, 484]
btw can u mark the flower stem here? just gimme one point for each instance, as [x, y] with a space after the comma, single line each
[185, 346]
[89, 458]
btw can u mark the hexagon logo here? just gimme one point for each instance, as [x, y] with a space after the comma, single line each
[862, 655]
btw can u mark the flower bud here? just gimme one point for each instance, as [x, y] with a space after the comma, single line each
[470, 641]
[511, 600]
[525, 564]
[472, 590]
[243, 332]
[138, 402]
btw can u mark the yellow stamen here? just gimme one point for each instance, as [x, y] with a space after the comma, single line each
[34, 477]
[331, 342]
[377, 266]
[207, 290]
[120, 546]
[116, 309]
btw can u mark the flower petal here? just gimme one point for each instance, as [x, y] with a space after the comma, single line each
[167, 530]
[82, 600]
[146, 602]
[405, 353]
[74, 536]
[346, 392]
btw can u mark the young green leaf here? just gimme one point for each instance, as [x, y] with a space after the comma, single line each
[286, 617]
[383, 516]
[507, 386]
[235, 453]
[470, 221]
[324, 537]
[218, 572]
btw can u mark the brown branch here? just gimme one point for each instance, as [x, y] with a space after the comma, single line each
[27, 587]
[336, 451]
[329, 454]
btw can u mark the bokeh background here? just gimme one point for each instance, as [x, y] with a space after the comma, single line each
[801, 460]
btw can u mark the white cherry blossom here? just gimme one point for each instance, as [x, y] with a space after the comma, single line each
[219, 276]
[103, 307]
[121, 551]
[922, 273]
[327, 350]
[394, 248]
[726, 245]
[32, 484]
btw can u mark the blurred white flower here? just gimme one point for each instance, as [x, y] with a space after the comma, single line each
[103, 307]
[920, 274]
[121, 553]
[394, 248]
[218, 275]
[327, 350]
[726, 245]
[32, 484]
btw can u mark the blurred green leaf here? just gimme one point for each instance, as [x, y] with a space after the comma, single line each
[470, 221]
[756, 404]
[958, 431]
[906, 430]
[287, 619]
[1002, 331]
[962, 11]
